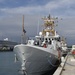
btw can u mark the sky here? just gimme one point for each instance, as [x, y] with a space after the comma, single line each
[11, 12]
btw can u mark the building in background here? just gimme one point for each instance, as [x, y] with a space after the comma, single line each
[6, 45]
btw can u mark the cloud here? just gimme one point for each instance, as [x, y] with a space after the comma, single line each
[20, 10]
[55, 7]
[61, 8]
[11, 26]
[12, 18]
[2, 1]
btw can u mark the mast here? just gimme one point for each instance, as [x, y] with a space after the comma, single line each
[23, 24]
[49, 25]
[23, 31]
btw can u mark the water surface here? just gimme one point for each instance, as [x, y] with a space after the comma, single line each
[7, 64]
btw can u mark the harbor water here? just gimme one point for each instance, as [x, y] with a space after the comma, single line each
[7, 64]
[9, 67]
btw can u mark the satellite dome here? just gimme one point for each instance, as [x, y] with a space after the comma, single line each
[40, 33]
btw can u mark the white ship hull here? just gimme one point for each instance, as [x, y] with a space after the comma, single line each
[36, 60]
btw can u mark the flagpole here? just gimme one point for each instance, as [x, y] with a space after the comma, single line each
[23, 25]
[22, 36]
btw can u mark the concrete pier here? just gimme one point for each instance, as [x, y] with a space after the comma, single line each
[67, 66]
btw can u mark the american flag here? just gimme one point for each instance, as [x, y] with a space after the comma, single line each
[23, 26]
[24, 30]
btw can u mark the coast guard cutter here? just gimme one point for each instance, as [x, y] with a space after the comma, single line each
[40, 55]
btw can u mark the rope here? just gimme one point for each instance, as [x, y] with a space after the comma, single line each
[52, 63]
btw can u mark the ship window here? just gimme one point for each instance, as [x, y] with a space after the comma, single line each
[46, 40]
[52, 39]
[49, 38]
[40, 38]
[49, 41]
[57, 39]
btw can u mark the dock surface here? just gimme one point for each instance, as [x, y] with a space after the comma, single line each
[67, 66]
